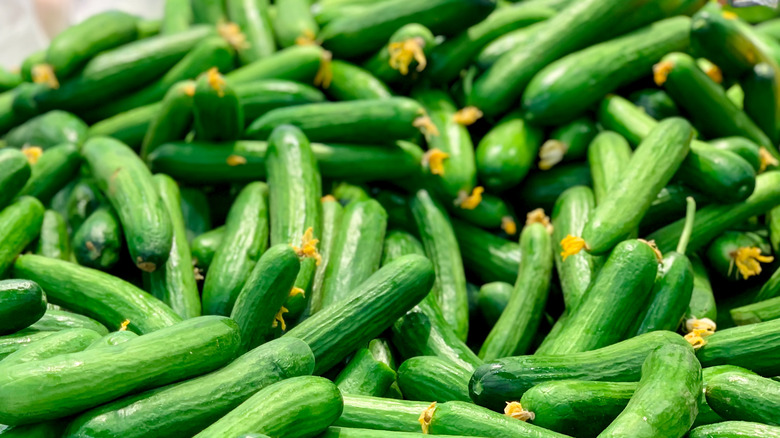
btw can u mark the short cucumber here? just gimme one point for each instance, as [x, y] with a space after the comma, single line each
[468, 419]
[735, 429]
[218, 112]
[47, 130]
[656, 103]
[742, 147]
[259, 97]
[722, 254]
[414, 39]
[204, 247]
[252, 18]
[568, 142]
[351, 82]
[507, 152]
[20, 224]
[173, 120]
[608, 154]
[98, 241]
[54, 241]
[298, 63]
[56, 320]
[14, 173]
[62, 342]
[488, 256]
[744, 396]
[129, 127]
[55, 167]
[23, 303]
[751, 346]
[380, 413]
[365, 375]
[177, 16]
[427, 378]
[294, 23]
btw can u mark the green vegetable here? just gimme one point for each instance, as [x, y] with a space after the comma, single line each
[47, 130]
[55, 167]
[744, 396]
[507, 152]
[608, 154]
[56, 320]
[366, 375]
[465, 418]
[218, 112]
[173, 121]
[62, 342]
[490, 257]
[22, 303]
[20, 224]
[735, 429]
[14, 173]
[294, 23]
[751, 346]
[53, 241]
[98, 241]
[428, 378]
[351, 82]
[177, 16]
[380, 413]
[252, 18]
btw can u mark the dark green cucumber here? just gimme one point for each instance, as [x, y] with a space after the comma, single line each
[56, 320]
[48, 429]
[244, 241]
[468, 419]
[252, 18]
[347, 432]
[177, 16]
[428, 378]
[370, 308]
[656, 103]
[54, 241]
[513, 332]
[202, 345]
[373, 120]
[300, 406]
[380, 413]
[650, 168]
[81, 201]
[218, 112]
[492, 300]
[332, 212]
[542, 189]
[742, 147]
[47, 130]
[14, 173]
[751, 346]
[365, 375]
[98, 295]
[23, 303]
[208, 11]
[294, 23]
[170, 411]
[508, 379]
[489, 256]
[173, 121]
[507, 152]
[669, 206]
[759, 311]
[299, 63]
[55, 167]
[98, 241]
[773, 224]
[505, 43]
[196, 212]
[113, 338]
[365, 31]
[722, 253]
[441, 246]
[259, 97]
[128, 185]
[20, 224]
[62, 342]
[671, 295]
[205, 245]
[569, 86]
[762, 89]
[129, 127]
[744, 396]
[702, 304]
[257, 306]
[351, 82]
[347, 194]
[399, 215]
[608, 154]
[671, 373]
[404, 41]
[21, 339]
[567, 142]
[491, 212]
[735, 429]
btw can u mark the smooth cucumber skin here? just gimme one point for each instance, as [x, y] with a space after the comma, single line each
[761, 90]
[427, 378]
[671, 295]
[650, 168]
[183, 409]
[744, 397]
[670, 373]
[98, 295]
[53, 170]
[56, 320]
[128, 185]
[264, 293]
[735, 429]
[20, 224]
[293, 19]
[463, 418]
[507, 379]
[262, 96]
[365, 375]
[380, 413]
[490, 257]
[98, 241]
[367, 30]
[61, 342]
[203, 344]
[298, 63]
[22, 303]
[369, 309]
[507, 152]
[113, 338]
[753, 347]
[14, 173]
[296, 407]
[54, 241]
[217, 109]
[252, 17]
[608, 154]
[129, 127]
[174, 119]
[351, 82]
[205, 245]
[48, 130]
[741, 146]
[572, 84]
[492, 300]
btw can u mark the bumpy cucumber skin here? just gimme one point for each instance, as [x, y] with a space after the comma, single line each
[174, 119]
[54, 241]
[760, 310]
[332, 212]
[569, 216]
[47, 130]
[23, 303]
[101, 296]
[507, 152]
[351, 82]
[244, 241]
[56, 320]
[751, 346]
[608, 154]
[427, 378]
[300, 406]
[20, 339]
[53, 170]
[467, 419]
[14, 173]
[98, 241]
[20, 224]
[299, 63]
[745, 397]
[202, 344]
[491, 257]
[184, 409]
[113, 338]
[380, 413]
[735, 429]
[369, 309]
[252, 17]
[670, 373]
[507, 379]
[62, 342]
[702, 304]
[671, 295]
[128, 184]
[259, 97]
[365, 375]
[217, 110]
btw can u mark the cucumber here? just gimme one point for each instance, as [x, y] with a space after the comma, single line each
[762, 89]
[608, 154]
[195, 211]
[351, 82]
[257, 306]
[299, 63]
[113, 338]
[365, 375]
[22, 105]
[205, 245]
[507, 379]
[48, 130]
[567, 142]
[370, 308]
[62, 342]
[98, 242]
[19, 340]
[751, 346]
[81, 201]
[218, 112]
[380, 413]
[702, 304]
[55, 167]
[129, 127]
[505, 43]
[465, 418]
[730, 254]
[148, 28]
[173, 121]
[357, 250]
[244, 241]
[363, 32]
[48, 429]
[202, 345]
[54, 241]
[167, 411]
[669, 206]
[293, 23]
[744, 396]
[441, 246]
[490, 257]
[300, 406]
[252, 18]
[101, 296]
[128, 185]
[56, 320]
[671, 373]
[507, 152]
[177, 16]
[513, 332]
[743, 147]
[406, 50]
[14, 173]
[567, 87]
[363, 121]
[20, 224]
[427, 378]
[9, 79]
[735, 429]
[262, 96]
[491, 212]
[542, 189]
[23, 303]
[332, 212]
[492, 300]
[656, 103]
[759, 311]
[344, 432]
[208, 11]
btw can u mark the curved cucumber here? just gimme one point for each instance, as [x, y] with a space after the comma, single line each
[20, 224]
[22, 303]
[507, 152]
[98, 241]
[14, 173]
[56, 320]
[113, 338]
[19, 340]
[744, 396]
[62, 342]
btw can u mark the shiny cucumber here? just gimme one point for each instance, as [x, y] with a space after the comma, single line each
[608, 154]
[62, 342]
[507, 152]
[54, 241]
[98, 241]
[22, 303]
[20, 224]
[173, 120]
[53, 169]
[14, 173]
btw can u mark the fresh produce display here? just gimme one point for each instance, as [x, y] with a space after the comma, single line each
[394, 218]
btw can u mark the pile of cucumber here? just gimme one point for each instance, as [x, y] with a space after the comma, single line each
[394, 218]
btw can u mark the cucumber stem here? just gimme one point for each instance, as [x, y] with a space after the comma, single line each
[690, 214]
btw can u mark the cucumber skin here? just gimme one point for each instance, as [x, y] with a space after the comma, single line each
[507, 379]
[427, 378]
[19, 340]
[492, 300]
[761, 90]
[379, 63]
[744, 397]
[348, 432]
[244, 241]
[507, 152]
[218, 112]
[113, 338]
[299, 63]
[365, 375]
[293, 19]
[177, 16]
[300, 406]
[490, 257]
[671, 295]
[56, 320]
[14, 173]
[205, 245]
[20, 224]
[61, 342]
[203, 344]
[262, 96]
[98, 295]
[174, 119]
[102, 232]
[608, 154]
[332, 212]
[702, 304]
[458, 417]
[208, 11]
[542, 189]
[23, 303]
[735, 429]
[720, 252]
[741, 146]
[48, 130]
[656, 103]
[167, 411]
[129, 127]
[572, 84]
[759, 311]
[128, 185]
[669, 373]
[252, 17]
[751, 346]
[351, 82]
[196, 212]
[53, 170]
[380, 413]
[54, 241]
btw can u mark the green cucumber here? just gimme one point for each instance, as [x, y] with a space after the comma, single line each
[567, 142]
[195, 211]
[468, 419]
[505, 43]
[491, 212]
[380, 413]
[23, 303]
[410, 39]
[208, 11]
[55, 167]
[37, 57]
[567, 87]
[218, 112]
[113, 338]
[722, 254]
[62, 342]
[9, 79]
[54, 241]
[744, 396]
[177, 16]
[542, 189]
[299, 63]
[347, 194]
[82, 201]
[762, 89]
[294, 23]
[656, 103]
[168, 411]
[608, 154]
[669, 206]
[735, 429]
[671, 373]
[14, 173]
[128, 185]
[488, 256]
[351, 82]
[244, 241]
[129, 127]
[751, 346]
[742, 147]
[19, 340]
[20, 224]
[98, 241]
[507, 152]
[252, 18]
[759, 311]
[492, 300]
[48, 130]
[332, 212]
[173, 121]
[399, 215]
[148, 27]
[204, 247]
[202, 345]
[262, 96]
[300, 406]
[56, 320]
[98, 295]
[428, 378]
[365, 375]
[772, 221]
[346, 432]
[702, 304]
